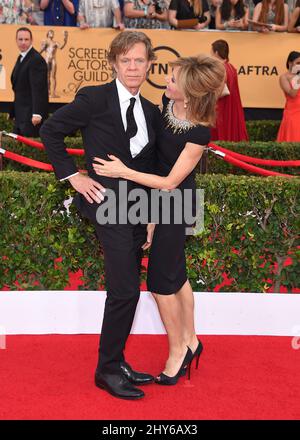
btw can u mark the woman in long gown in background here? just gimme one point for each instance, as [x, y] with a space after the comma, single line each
[230, 123]
[289, 130]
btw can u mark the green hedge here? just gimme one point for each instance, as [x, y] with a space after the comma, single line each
[251, 223]
[215, 165]
[257, 130]
[5, 123]
[263, 131]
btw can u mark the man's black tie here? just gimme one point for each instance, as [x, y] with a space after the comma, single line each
[131, 124]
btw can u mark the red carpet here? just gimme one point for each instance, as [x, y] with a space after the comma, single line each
[239, 377]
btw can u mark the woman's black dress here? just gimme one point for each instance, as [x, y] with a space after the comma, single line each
[167, 266]
[185, 11]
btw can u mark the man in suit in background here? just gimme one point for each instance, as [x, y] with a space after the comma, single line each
[114, 119]
[30, 86]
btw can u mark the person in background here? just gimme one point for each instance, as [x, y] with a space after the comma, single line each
[187, 9]
[232, 14]
[13, 12]
[272, 12]
[289, 130]
[59, 12]
[230, 124]
[34, 13]
[99, 13]
[250, 5]
[294, 23]
[213, 5]
[148, 14]
[291, 4]
[30, 86]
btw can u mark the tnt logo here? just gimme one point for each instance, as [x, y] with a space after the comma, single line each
[296, 339]
[160, 67]
[2, 338]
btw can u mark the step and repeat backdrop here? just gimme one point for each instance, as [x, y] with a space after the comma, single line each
[77, 58]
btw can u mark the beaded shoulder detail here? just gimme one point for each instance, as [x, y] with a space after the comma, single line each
[176, 125]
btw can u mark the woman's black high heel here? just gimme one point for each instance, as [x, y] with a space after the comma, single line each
[163, 379]
[197, 353]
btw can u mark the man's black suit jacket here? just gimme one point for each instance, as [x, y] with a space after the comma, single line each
[30, 86]
[96, 112]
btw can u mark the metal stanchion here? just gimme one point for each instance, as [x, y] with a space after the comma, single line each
[204, 162]
[202, 166]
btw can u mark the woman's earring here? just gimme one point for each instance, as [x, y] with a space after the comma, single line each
[184, 104]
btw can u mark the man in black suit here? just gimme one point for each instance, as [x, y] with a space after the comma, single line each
[114, 119]
[30, 86]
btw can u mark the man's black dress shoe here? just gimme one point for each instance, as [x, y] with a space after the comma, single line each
[135, 377]
[118, 386]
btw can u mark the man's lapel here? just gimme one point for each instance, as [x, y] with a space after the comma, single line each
[115, 108]
[19, 66]
[15, 71]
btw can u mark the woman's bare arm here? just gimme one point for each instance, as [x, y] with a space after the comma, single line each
[184, 165]
[285, 85]
[293, 20]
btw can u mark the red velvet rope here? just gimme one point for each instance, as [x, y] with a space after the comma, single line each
[30, 162]
[30, 142]
[47, 167]
[257, 161]
[225, 156]
[242, 157]
[40, 146]
[26, 161]
[252, 168]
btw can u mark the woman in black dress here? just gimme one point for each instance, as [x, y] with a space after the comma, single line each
[232, 14]
[294, 22]
[188, 112]
[187, 9]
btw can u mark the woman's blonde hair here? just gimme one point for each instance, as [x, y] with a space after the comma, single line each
[197, 7]
[201, 80]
